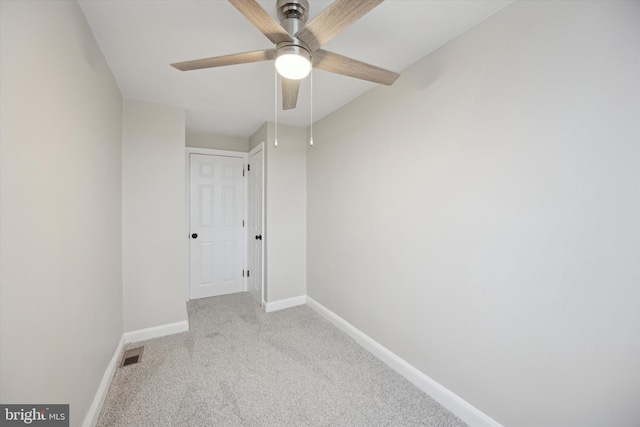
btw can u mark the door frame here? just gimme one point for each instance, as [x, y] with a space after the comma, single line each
[260, 147]
[187, 159]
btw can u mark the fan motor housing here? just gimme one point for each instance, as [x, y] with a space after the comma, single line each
[293, 49]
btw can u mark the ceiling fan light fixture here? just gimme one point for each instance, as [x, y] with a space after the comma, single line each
[293, 62]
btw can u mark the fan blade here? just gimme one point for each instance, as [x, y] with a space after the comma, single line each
[220, 61]
[334, 63]
[333, 20]
[290, 93]
[262, 20]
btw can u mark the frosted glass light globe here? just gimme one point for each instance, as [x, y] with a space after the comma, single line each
[293, 64]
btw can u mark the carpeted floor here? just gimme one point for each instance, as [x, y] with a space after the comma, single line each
[238, 366]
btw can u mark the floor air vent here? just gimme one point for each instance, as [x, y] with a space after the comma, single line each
[132, 356]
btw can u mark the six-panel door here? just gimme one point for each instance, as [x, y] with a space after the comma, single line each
[216, 211]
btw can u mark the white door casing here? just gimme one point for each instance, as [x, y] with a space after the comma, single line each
[216, 235]
[255, 226]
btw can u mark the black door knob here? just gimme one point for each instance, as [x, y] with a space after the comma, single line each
[194, 235]
[259, 237]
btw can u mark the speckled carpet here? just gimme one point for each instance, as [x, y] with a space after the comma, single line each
[238, 366]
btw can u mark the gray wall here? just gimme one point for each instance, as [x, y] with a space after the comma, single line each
[481, 217]
[285, 219]
[60, 214]
[217, 142]
[153, 215]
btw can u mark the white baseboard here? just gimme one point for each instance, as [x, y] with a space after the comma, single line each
[156, 332]
[454, 403]
[285, 303]
[101, 394]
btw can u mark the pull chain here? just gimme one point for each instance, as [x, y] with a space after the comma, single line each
[276, 108]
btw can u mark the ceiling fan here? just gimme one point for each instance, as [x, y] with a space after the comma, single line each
[298, 44]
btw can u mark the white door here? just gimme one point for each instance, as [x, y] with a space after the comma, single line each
[254, 231]
[216, 209]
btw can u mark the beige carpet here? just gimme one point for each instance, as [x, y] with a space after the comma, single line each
[238, 366]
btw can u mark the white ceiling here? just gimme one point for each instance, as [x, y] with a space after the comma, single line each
[140, 38]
